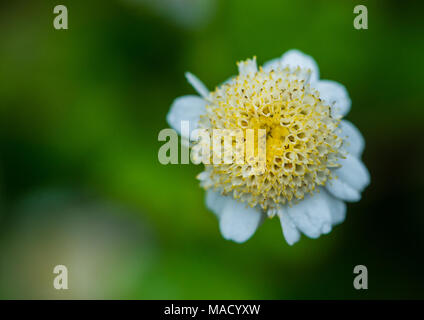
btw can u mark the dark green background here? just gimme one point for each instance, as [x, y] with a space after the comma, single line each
[80, 183]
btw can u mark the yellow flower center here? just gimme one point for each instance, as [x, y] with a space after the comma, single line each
[302, 143]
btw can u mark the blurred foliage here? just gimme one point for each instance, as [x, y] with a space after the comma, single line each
[81, 109]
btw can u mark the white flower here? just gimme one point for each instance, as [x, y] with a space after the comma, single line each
[313, 157]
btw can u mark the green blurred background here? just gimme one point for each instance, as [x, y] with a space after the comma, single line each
[80, 183]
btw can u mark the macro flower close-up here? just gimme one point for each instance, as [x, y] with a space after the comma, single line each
[312, 163]
[216, 156]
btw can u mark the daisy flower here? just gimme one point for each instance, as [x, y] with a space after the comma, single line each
[313, 156]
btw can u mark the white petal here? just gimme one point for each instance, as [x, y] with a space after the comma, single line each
[215, 201]
[353, 177]
[337, 208]
[353, 172]
[238, 222]
[354, 142]
[247, 67]
[186, 108]
[197, 84]
[296, 58]
[336, 95]
[311, 215]
[273, 64]
[290, 232]
[342, 190]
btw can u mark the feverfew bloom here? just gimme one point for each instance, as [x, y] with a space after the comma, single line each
[313, 156]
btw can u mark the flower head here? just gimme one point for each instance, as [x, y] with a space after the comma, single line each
[312, 156]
